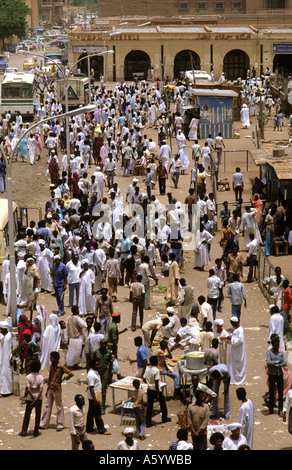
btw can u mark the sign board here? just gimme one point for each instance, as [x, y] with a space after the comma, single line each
[282, 48]
[89, 49]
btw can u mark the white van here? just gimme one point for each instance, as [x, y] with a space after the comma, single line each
[200, 75]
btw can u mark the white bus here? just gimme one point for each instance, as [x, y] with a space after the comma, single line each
[17, 94]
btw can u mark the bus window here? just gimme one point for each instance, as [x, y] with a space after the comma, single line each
[25, 93]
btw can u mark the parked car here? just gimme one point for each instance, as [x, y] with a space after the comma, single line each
[10, 47]
[3, 66]
[29, 44]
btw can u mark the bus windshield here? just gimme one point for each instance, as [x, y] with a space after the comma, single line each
[15, 92]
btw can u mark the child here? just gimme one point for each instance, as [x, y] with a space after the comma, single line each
[165, 265]
[219, 271]
[140, 401]
[33, 398]
[29, 350]
[207, 336]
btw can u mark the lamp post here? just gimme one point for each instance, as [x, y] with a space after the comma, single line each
[13, 304]
[66, 78]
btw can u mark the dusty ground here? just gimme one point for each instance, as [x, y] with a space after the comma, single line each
[30, 186]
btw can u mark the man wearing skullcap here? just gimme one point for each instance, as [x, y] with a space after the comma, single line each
[237, 354]
[129, 443]
[235, 439]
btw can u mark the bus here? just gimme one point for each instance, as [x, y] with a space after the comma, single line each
[17, 94]
[4, 230]
[22, 216]
[77, 91]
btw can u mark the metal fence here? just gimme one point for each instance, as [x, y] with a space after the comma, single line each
[264, 270]
[235, 158]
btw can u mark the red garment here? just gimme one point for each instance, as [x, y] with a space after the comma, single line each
[24, 324]
[74, 183]
[287, 299]
[54, 171]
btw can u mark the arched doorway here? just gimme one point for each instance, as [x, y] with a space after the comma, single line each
[137, 63]
[185, 60]
[96, 63]
[282, 64]
[235, 64]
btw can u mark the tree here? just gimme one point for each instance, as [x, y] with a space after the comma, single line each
[13, 18]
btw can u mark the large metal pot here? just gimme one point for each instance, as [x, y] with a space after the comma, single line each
[195, 360]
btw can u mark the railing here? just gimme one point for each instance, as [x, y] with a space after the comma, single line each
[264, 270]
[231, 159]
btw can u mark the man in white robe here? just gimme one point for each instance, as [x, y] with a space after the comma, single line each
[100, 180]
[249, 225]
[221, 334]
[151, 115]
[44, 262]
[20, 270]
[246, 416]
[193, 129]
[244, 113]
[237, 354]
[7, 288]
[86, 302]
[184, 158]
[50, 341]
[99, 262]
[6, 382]
[165, 154]
[32, 144]
[201, 256]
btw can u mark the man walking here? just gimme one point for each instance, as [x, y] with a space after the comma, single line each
[54, 391]
[276, 359]
[59, 282]
[237, 294]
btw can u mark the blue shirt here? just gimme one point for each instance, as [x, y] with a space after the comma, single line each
[59, 274]
[2, 168]
[125, 248]
[141, 355]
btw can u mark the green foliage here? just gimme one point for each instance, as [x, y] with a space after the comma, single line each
[91, 5]
[13, 18]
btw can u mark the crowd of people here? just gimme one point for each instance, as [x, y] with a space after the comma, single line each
[96, 239]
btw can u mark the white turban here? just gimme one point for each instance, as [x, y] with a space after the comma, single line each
[233, 426]
[129, 431]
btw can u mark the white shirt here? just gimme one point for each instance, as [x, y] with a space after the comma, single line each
[253, 247]
[237, 180]
[73, 272]
[93, 380]
[213, 284]
[77, 418]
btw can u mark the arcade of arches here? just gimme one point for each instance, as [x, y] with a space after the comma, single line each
[167, 51]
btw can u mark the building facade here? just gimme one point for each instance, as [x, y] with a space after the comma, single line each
[170, 50]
